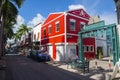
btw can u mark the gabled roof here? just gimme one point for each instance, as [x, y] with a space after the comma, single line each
[80, 13]
[52, 16]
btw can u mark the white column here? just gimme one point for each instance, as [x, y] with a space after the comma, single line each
[65, 36]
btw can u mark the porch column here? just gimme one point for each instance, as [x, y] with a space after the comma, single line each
[80, 48]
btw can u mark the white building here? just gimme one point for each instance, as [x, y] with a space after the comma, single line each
[36, 35]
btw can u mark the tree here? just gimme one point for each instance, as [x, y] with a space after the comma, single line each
[8, 13]
[22, 30]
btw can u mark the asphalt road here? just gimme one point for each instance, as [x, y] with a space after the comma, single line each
[23, 68]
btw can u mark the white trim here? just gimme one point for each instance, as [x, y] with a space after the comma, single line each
[78, 16]
[53, 36]
[82, 23]
[72, 20]
[85, 48]
[60, 35]
[40, 23]
[49, 44]
[71, 43]
[57, 22]
[53, 19]
[59, 43]
[50, 25]
[72, 34]
[65, 14]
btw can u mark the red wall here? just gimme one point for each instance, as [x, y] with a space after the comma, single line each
[58, 37]
[89, 42]
[54, 37]
[74, 38]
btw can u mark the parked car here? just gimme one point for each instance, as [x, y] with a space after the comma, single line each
[32, 54]
[42, 56]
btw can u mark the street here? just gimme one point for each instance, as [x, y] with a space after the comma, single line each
[23, 68]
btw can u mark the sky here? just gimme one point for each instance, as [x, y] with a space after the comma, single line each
[33, 12]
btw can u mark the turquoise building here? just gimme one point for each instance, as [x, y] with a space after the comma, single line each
[106, 40]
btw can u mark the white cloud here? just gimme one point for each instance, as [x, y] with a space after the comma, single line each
[39, 18]
[77, 6]
[109, 18]
[20, 20]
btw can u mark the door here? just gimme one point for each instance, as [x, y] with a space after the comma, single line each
[59, 53]
[99, 52]
[50, 50]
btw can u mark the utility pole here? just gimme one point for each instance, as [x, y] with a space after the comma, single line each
[117, 4]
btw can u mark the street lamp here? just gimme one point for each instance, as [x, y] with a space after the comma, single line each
[117, 3]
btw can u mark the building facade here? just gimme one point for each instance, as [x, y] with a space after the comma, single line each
[105, 41]
[59, 33]
[36, 36]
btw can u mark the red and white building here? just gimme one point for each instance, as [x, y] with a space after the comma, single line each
[59, 33]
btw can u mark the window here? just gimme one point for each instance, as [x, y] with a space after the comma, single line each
[88, 48]
[38, 36]
[72, 24]
[57, 26]
[102, 33]
[82, 25]
[50, 29]
[35, 37]
[44, 32]
[108, 37]
[91, 49]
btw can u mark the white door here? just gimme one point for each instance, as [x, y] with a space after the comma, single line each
[59, 53]
[50, 51]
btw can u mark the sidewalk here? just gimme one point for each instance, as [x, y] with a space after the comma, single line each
[2, 68]
[102, 72]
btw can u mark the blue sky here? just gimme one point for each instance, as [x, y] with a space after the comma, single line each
[35, 11]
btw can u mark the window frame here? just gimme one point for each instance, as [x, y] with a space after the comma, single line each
[50, 29]
[57, 26]
[87, 48]
[44, 32]
[72, 27]
[82, 23]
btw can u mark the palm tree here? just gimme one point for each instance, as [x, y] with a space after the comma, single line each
[22, 30]
[8, 13]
